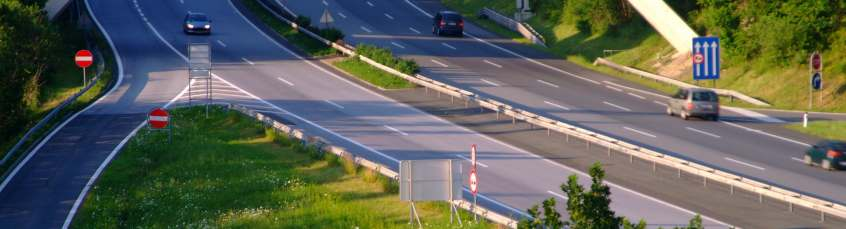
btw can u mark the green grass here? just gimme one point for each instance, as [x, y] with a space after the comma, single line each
[229, 171]
[309, 45]
[372, 75]
[823, 129]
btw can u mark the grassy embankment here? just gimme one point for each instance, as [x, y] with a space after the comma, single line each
[372, 75]
[824, 129]
[635, 43]
[229, 171]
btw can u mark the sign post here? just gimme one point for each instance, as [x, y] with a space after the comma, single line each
[706, 59]
[159, 119]
[474, 181]
[815, 63]
[83, 59]
[326, 18]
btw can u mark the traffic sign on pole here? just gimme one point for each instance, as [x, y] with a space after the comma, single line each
[326, 18]
[706, 58]
[83, 58]
[474, 182]
[816, 80]
[816, 62]
[158, 118]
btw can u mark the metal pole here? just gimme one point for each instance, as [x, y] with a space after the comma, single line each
[475, 216]
[84, 81]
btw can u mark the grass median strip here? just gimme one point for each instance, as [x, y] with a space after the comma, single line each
[229, 171]
[824, 129]
[307, 44]
[372, 75]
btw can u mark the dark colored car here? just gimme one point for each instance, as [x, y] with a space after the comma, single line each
[196, 23]
[699, 102]
[828, 154]
[448, 23]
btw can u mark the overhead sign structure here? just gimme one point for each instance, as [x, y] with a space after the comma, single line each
[706, 58]
[158, 118]
[816, 80]
[83, 59]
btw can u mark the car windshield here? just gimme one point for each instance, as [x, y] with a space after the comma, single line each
[197, 17]
[704, 96]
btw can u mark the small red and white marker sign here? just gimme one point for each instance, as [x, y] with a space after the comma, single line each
[83, 58]
[816, 61]
[474, 182]
[159, 118]
[698, 58]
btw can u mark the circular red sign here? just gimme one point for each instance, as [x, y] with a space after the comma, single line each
[698, 58]
[158, 118]
[474, 182]
[816, 61]
[83, 58]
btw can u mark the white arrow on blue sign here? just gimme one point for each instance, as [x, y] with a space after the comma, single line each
[706, 58]
[816, 80]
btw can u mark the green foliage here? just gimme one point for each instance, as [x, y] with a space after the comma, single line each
[331, 34]
[304, 42]
[535, 222]
[551, 217]
[591, 208]
[386, 57]
[589, 16]
[373, 75]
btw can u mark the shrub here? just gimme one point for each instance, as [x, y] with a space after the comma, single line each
[331, 34]
[303, 21]
[386, 57]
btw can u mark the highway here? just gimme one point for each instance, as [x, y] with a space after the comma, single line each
[254, 69]
[743, 142]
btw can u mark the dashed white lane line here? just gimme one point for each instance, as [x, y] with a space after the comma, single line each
[614, 88]
[389, 16]
[181, 1]
[639, 132]
[395, 130]
[449, 46]
[558, 195]
[366, 29]
[556, 105]
[702, 132]
[325, 3]
[334, 104]
[489, 82]
[635, 89]
[414, 30]
[797, 159]
[492, 63]
[548, 83]
[767, 134]
[370, 4]
[659, 103]
[616, 106]
[398, 45]
[636, 95]
[342, 15]
[439, 63]
[285, 81]
[248, 61]
[744, 163]
[468, 159]
[221, 43]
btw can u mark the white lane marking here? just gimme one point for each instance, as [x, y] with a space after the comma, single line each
[614, 88]
[659, 103]
[797, 159]
[449, 46]
[248, 61]
[325, 3]
[370, 4]
[556, 105]
[414, 30]
[395, 130]
[489, 82]
[752, 114]
[636, 95]
[285, 81]
[221, 43]
[637, 90]
[616, 106]
[333, 104]
[468, 159]
[767, 134]
[744, 163]
[366, 29]
[398, 45]
[639, 132]
[389, 16]
[548, 83]
[492, 63]
[439, 63]
[342, 15]
[558, 195]
[702, 132]
[181, 1]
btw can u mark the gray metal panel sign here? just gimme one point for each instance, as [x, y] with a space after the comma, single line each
[199, 61]
[422, 180]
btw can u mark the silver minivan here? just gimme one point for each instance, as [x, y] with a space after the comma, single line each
[695, 102]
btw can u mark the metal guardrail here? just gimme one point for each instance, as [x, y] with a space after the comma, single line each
[723, 92]
[612, 144]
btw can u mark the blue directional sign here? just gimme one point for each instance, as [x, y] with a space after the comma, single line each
[816, 81]
[706, 58]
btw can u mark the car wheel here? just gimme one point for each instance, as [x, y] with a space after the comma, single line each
[715, 118]
[807, 160]
[669, 111]
[684, 115]
[826, 164]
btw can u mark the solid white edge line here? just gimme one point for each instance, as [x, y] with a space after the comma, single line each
[342, 15]
[636, 95]
[414, 30]
[556, 194]
[397, 44]
[659, 103]
[389, 16]
[333, 104]
[248, 61]
[702, 132]
[639, 132]
[370, 3]
[365, 29]
[765, 133]
[548, 83]
[489, 82]
[395, 130]
[744, 163]
[439, 63]
[797, 159]
[614, 88]
[492, 63]
[221, 43]
[471, 161]
[285, 81]
[616, 106]
[556, 105]
[449, 46]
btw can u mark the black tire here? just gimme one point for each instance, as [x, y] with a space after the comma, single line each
[715, 118]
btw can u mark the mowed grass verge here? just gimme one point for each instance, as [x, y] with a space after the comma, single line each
[824, 129]
[309, 45]
[229, 171]
[371, 74]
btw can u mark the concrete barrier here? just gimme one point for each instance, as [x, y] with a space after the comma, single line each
[524, 29]
[672, 27]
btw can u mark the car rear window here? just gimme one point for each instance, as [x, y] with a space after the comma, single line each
[452, 17]
[705, 96]
[839, 146]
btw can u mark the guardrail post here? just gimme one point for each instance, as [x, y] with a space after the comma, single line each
[588, 144]
[631, 158]
[466, 103]
[704, 181]
[790, 206]
[653, 166]
[531, 127]
[548, 133]
[567, 138]
[513, 120]
[731, 193]
[609, 150]
[760, 197]
[439, 94]
[822, 215]
[427, 90]
[679, 172]
[451, 99]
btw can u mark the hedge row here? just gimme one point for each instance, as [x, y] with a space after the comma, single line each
[386, 57]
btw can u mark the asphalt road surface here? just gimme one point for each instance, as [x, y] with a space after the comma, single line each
[743, 142]
[253, 69]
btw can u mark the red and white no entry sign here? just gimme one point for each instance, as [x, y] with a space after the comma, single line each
[816, 61]
[474, 182]
[159, 118]
[83, 58]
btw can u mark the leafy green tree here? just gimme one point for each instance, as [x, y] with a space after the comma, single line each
[552, 219]
[591, 208]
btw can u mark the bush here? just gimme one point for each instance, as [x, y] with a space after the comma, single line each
[331, 34]
[386, 57]
[303, 21]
